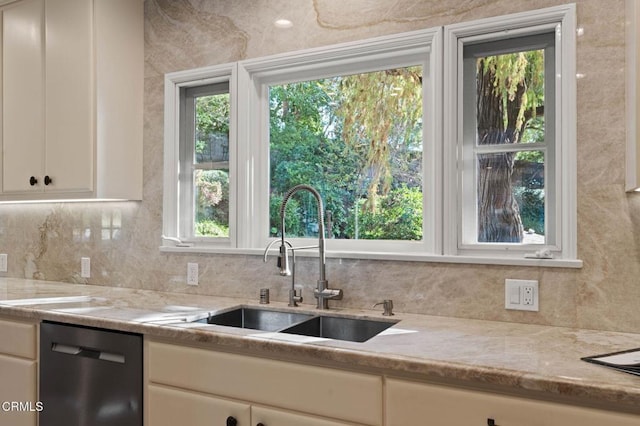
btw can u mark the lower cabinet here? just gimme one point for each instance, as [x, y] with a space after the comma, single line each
[194, 386]
[269, 417]
[18, 373]
[411, 403]
[252, 390]
[172, 407]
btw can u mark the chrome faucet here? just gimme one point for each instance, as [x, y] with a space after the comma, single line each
[322, 292]
[294, 296]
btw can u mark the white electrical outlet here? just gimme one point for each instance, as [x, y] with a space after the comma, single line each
[3, 262]
[192, 273]
[521, 295]
[85, 267]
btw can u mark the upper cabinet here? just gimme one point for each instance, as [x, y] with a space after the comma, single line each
[72, 93]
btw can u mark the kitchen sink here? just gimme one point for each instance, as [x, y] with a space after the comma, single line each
[304, 324]
[256, 318]
[340, 328]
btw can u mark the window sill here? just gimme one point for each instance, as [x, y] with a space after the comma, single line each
[404, 257]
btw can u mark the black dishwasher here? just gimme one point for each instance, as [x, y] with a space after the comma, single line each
[89, 376]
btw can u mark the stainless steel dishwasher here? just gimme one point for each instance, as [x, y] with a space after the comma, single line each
[89, 376]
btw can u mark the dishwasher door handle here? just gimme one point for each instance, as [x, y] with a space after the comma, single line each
[87, 353]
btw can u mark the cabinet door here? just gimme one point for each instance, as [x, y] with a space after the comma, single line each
[23, 95]
[409, 403]
[171, 407]
[269, 417]
[69, 146]
[325, 392]
[18, 391]
[18, 338]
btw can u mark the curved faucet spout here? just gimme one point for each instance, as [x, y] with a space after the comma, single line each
[320, 205]
[322, 293]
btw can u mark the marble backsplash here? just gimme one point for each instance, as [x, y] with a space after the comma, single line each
[46, 241]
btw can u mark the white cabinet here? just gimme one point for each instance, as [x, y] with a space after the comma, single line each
[270, 417]
[295, 394]
[72, 82]
[211, 386]
[410, 403]
[23, 92]
[171, 407]
[18, 370]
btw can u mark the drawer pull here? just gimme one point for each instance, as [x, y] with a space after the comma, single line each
[33, 180]
[231, 421]
[491, 422]
[260, 424]
[47, 180]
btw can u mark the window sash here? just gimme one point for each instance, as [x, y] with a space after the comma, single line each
[493, 36]
[416, 48]
[471, 150]
[178, 195]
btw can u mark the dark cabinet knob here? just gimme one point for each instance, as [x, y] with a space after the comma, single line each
[47, 180]
[231, 421]
[491, 422]
[260, 424]
[33, 180]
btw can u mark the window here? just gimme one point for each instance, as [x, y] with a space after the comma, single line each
[199, 175]
[511, 131]
[507, 173]
[358, 122]
[358, 138]
[204, 161]
[454, 144]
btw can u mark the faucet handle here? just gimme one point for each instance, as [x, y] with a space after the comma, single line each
[295, 296]
[387, 304]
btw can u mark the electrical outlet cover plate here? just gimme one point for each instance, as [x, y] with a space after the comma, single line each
[521, 295]
[192, 273]
[85, 267]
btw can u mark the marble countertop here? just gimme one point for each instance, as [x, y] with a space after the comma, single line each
[532, 360]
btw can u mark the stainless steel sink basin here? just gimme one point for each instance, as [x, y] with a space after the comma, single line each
[340, 328]
[256, 318]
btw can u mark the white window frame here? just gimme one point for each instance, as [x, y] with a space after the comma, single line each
[563, 242]
[255, 77]
[175, 215]
[440, 52]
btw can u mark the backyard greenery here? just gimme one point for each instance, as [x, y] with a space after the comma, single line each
[358, 140]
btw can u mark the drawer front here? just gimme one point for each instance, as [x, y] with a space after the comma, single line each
[172, 407]
[18, 338]
[322, 391]
[269, 417]
[409, 403]
[18, 391]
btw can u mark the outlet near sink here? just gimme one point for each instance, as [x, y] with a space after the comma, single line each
[521, 295]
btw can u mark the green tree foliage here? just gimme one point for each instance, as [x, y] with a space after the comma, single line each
[398, 218]
[356, 139]
[382, 114]
[510, 100]
[212, 186]
[212, 205]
